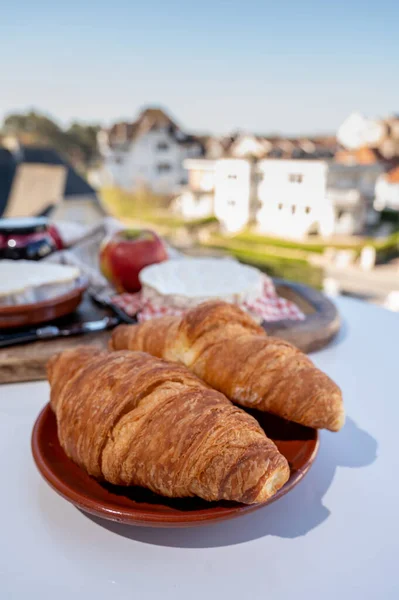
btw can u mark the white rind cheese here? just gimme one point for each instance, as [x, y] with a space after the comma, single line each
[27, 282]
[186, 283]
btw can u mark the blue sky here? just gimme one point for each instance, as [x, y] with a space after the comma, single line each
[290, 67]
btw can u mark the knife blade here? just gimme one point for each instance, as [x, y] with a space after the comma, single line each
[50, 332]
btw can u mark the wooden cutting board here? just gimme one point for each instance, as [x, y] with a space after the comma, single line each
[321, 324]
[27, 362]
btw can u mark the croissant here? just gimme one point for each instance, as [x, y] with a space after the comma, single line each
[131, 419]
[224, 346]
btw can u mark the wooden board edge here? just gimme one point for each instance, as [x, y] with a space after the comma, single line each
[317, 330]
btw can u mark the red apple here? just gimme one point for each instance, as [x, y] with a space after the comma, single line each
[124, 254]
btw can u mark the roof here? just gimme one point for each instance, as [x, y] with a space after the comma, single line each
[36, 189]
[156, 117]
[7, 172]
[276, 146]
[150, 118]
[75, 186]
[393, 175]
[123, 133]
[361, 156]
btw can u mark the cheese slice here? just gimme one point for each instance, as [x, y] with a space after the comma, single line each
[27, 282]
[184, 283]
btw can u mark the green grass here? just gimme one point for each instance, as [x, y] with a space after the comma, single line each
[385, 247]
[316, 247]
[174, 222]
[146, 207]
[261, 240]
[235, 244]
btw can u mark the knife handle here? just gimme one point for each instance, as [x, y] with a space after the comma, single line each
[124, 317]
[22, 337]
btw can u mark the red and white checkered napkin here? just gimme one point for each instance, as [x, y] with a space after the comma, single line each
[268, 307]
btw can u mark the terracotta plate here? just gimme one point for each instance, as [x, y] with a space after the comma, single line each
[25, 315]
[136, 506]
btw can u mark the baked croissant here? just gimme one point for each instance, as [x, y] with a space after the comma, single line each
[226, 348]
[131, 419]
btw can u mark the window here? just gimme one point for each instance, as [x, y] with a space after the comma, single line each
[231, 176]
[295, 178]
[162, 146]
[307, 210]
[293, 209]
[164, 168]
[231, 202]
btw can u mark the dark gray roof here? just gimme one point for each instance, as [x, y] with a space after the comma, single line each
[151, 118]
[7, 171]
[75, 184]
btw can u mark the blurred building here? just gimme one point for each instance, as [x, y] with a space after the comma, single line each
[249, 146]
[197, 200]
[223, 188]
[147, 153]
[293, 198]
[234, 200]
[387, 191]
[358, 131]
[37, 181]
[256, 147]
[282, 197]
[351, 188]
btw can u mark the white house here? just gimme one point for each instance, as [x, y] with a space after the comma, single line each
[387, 191]
[301, 197]
[283, 197]
[233, 204]
[293, 198]
[355, 176]
[147, 153]
[351, 189]
[350, 210]
[197, 200]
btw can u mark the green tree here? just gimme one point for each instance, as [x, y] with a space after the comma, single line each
[78, 143]
[34, 127]
[84, 137]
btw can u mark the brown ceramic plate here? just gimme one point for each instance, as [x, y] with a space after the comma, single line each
[26, 315]
[137, 506]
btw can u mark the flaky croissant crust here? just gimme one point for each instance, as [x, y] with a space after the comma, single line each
[224, 346]
[131, 419]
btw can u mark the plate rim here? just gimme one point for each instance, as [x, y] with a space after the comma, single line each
[81, 286]
[142, 517]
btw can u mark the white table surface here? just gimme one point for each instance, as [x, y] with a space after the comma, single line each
[334, 536]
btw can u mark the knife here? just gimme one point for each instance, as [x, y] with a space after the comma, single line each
[50, 332]
[101, 295]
